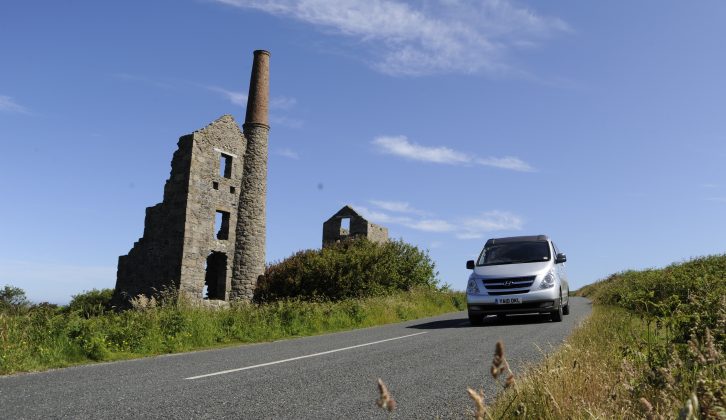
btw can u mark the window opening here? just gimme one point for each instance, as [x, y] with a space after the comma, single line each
[221, 225]
[232, 190]
[345, 226]
[215, 185]
[225, 165]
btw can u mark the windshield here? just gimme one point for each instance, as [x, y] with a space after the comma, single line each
[515, 253]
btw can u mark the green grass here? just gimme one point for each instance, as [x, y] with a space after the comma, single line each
[654, 347]
[49, 338]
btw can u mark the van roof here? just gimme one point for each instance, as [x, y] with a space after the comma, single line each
[510, 239]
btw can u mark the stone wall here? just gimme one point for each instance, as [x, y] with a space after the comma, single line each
[179, 233]
[334, 231]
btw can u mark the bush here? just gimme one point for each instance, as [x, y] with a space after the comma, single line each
[349, 269]
[683, 307]
[91, 303]
[13, 300]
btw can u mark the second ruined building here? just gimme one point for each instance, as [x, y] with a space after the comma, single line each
[206, 239]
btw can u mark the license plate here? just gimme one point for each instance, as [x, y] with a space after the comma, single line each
[507, 301]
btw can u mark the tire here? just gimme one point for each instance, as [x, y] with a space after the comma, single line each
[557, 315]
[501, 317]
[566, 309]
[476, 319]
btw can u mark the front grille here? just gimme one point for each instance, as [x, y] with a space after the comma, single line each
[508, 286]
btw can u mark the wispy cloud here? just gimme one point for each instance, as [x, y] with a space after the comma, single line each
[717, 199]
[288, 153]
[423, 37]
[8, 104]
[290, 122]
[472, 227]
[237, 98]
[398, 207]
[402, 147]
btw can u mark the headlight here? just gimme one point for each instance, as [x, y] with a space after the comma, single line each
[548, 280]
[472, 287]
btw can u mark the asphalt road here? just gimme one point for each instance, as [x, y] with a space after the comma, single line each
[427, 364]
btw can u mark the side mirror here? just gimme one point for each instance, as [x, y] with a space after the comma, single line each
[560, 258]
[470, 265]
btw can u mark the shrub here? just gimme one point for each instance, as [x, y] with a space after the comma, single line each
[349, 269]
[13, 300]
[92, 303]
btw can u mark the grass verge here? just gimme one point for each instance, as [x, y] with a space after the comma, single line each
[654, 347]
[47, 338]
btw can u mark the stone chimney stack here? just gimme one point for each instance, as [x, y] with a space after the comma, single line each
[249, 255]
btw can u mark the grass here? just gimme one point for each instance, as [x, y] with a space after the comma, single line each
[654, 347]
[46, 338]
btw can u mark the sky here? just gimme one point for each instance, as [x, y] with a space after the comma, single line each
[600, 124]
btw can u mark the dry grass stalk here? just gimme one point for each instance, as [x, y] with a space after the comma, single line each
[500, 365]
[142, 303]
[647, 408]
[385, 400]
[478, 398]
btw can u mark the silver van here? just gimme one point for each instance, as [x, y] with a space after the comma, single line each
[519, 274]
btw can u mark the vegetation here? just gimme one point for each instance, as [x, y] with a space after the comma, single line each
[654, 347]
[350, 269]
[46, 337]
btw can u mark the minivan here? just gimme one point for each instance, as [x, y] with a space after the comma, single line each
[516, 275]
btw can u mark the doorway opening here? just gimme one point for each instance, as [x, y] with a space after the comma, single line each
[215, 279]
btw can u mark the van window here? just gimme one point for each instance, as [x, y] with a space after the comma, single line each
[515, 253]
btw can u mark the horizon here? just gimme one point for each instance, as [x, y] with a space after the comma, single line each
[446, 122]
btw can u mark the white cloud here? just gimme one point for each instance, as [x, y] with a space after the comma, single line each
[508, 162]
[288, 153]
[474, 227]
[423, 37]
[237, 98]
[8, 104]
[397, 206]
[402, 147]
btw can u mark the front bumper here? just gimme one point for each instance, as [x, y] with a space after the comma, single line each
[539, 301]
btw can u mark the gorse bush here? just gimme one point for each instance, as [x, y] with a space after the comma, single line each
[349, 269]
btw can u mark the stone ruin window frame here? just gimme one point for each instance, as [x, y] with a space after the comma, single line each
[226, 160]
[221, 218]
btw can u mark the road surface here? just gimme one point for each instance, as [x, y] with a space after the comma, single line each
[427, 365]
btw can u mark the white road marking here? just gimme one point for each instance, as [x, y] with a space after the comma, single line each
[303, 357]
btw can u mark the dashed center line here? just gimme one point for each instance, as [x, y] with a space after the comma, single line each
[224, 372]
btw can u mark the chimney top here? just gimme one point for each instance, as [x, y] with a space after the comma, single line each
[259, 95]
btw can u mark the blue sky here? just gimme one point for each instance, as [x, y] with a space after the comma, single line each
[598, 123]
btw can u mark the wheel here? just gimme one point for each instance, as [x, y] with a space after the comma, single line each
[557, 314]
[566, 309]
[476, 319]
[501, 317]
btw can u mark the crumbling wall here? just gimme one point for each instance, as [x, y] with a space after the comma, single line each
[216, 148]
[334, 231]
[179, 233]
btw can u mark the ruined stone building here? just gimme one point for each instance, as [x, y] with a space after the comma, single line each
[206, 239]
[347, 223]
